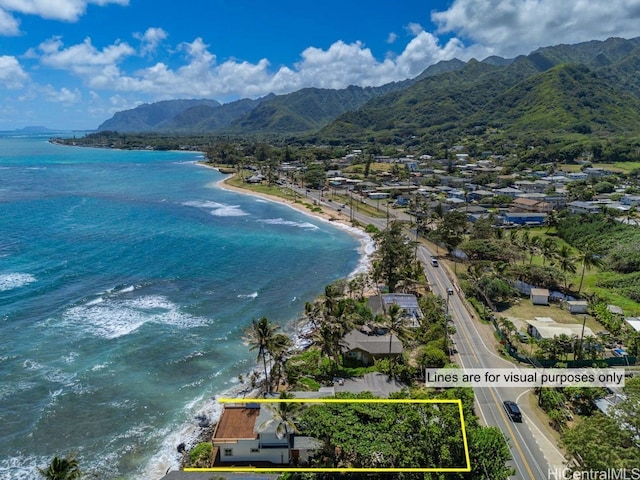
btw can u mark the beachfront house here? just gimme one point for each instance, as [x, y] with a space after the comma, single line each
[408, 303]
[246, 435]
[365, 348]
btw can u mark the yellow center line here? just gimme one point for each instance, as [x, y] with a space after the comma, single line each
[468, 340]
[512, 434]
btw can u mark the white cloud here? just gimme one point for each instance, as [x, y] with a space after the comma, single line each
[9, 26]
[67, 10]
[469, 28]
[392, 37]
[64, 95]
[11, 73]
[414, 28]
[150, 39]
[513, 27]
[339, 66]
[82, 58]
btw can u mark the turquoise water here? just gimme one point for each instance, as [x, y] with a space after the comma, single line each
[126, 281]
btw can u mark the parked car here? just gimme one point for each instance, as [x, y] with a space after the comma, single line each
[524, 338]
[513, 410]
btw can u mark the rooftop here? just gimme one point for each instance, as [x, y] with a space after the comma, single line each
[237, 422]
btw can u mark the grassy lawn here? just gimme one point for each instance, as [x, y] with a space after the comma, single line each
[525, 310]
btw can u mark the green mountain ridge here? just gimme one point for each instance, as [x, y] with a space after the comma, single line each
[588, 88]
[564, 99]
[151, 117]
[469, 100]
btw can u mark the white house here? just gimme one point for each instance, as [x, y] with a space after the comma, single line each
[246, 434]
[545, 327]
[540, 296]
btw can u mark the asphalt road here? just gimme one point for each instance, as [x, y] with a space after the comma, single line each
[528, 460]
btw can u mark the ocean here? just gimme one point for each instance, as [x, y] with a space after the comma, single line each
[127, 279]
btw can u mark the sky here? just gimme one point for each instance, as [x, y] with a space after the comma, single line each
[71, 64]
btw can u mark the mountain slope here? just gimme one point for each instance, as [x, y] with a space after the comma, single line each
[307, 109]
[461, 101]
[564, 99]
[205, 118]
[151, 116]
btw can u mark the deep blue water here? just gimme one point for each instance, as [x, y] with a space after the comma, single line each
[126, 281]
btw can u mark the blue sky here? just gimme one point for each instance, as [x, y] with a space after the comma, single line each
[73, 63]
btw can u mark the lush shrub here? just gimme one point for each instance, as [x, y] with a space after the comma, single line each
[200, 456]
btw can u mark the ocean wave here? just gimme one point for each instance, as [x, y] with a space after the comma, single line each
[217, 209]
[250, 295]
[289, 223]
[9, 281]
[116, 317]
[22, 467]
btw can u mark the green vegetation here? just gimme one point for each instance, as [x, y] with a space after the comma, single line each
[617, 435]
[66, 468]
[201, 455]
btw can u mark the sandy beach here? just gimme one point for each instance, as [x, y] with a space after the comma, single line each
[339, 219]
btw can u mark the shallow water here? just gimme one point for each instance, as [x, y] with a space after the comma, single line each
[126, 281]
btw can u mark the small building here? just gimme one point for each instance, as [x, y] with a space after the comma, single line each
[634, 323]
[615, 310]
[577, 306]
[524, 218]
[545, 327]
[522, 204]
[365, 348]
[540, 296]
[583, 207]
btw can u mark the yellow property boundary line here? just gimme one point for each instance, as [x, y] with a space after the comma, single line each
[458, 402]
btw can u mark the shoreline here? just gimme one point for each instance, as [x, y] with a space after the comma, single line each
[208, 406]
[338, 220]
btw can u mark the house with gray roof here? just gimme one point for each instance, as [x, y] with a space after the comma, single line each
[408, 303]
[367, 347]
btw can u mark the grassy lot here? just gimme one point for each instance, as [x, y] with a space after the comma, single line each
[591, 277]
[525, 310]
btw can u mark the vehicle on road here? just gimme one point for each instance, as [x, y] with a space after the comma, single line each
[450, 291]
[434, 261]
[513, 410]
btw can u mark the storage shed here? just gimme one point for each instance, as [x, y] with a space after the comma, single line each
[540, 296]
[577, 306]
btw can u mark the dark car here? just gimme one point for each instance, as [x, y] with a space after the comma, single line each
[513, 410]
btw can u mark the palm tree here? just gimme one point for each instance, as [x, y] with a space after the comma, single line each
[552, 220]
[534, 246]
[548, 249]
[565, 261]
[284, 415]
[260, 337]
[589, 259]
[326, 337]
[395, 325]
[279, 348]
[66, 468]
[508, 328]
